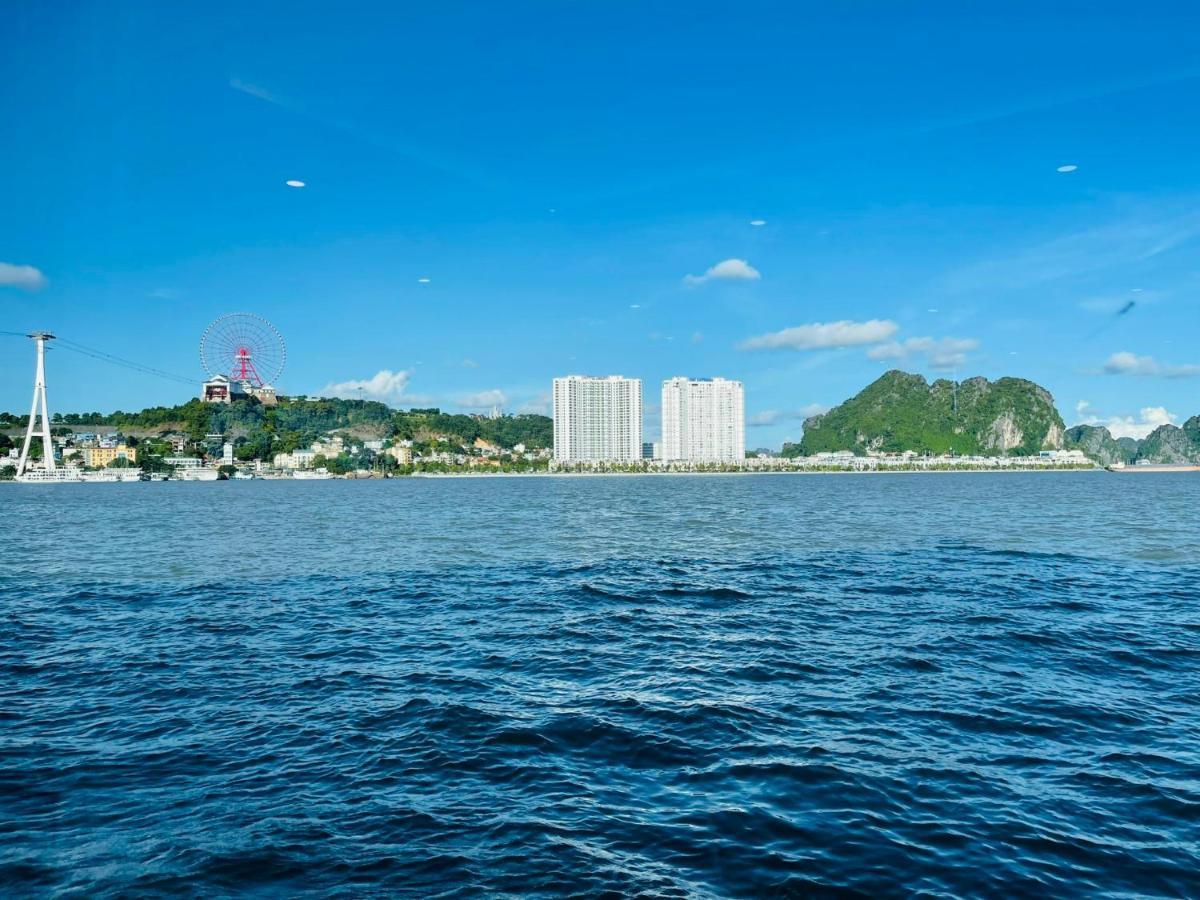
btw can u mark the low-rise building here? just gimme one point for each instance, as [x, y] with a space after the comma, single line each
[101, 457]
[297, 459]
[402, 455]
[220, 389]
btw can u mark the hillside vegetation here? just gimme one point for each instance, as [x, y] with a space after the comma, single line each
[900, 411]
[295, 422]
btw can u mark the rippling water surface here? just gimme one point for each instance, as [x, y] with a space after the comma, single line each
[673, 686]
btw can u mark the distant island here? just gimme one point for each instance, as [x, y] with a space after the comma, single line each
[903, 413]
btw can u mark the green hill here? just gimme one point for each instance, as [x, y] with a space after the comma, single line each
[1172, 444]
[900, 411]
[1098, 443]
[260, 431]
[1166, 444]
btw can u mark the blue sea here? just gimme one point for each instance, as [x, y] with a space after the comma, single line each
[677, 686]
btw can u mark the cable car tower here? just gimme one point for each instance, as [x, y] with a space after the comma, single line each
[39, 399]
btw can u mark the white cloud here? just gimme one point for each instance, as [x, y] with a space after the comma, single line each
[470, 364]
[812, 409]
[940, 353]
[726, 270]
[766, 417]
[1137, 427]
[824, 335]
[1066, 169]
[384, 385]
[25, 277]
[758, 223]
[482, 400]
[294, 183]
[539, 405]
[774, 416]
[1126, 363]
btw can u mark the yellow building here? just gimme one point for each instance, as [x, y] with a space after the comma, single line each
[100, 457]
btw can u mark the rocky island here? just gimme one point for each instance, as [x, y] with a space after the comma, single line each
[901, 412]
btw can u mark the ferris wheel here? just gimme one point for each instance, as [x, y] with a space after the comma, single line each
[243, 347]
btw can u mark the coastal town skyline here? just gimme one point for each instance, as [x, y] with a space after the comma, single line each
[1039, 225]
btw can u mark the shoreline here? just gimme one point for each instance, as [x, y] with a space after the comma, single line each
[786, 472]
[997, 471]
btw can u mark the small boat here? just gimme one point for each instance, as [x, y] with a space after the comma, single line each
[243, 476]
[312, 474]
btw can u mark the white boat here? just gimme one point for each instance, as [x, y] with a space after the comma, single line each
[197, 474]
[243, 476]
[111, 476]
[312, 474]
[1142, 466]
[66, 475]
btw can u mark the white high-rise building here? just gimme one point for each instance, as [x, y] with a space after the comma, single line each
[597, 419]
[703, 420]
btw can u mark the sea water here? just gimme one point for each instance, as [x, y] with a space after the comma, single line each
[676, 686]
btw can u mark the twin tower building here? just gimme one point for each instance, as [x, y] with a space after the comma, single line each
[600, 419]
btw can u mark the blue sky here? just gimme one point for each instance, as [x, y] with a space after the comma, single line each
[565, 175]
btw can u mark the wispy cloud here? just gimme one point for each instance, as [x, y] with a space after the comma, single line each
[254, 91]
[943, 354]
[1046, 100]
[1126, 363]
[384, 385]
[726, 270]
[824, 335]
[775, 417]
[27, 278]
[470, 364]
[482, 400]
[1142, 236]
[1116, 304]
[437, 161]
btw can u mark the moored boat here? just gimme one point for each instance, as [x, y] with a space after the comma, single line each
[1153, 467]
[312, 474]
[65, 475]
[197, 473]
